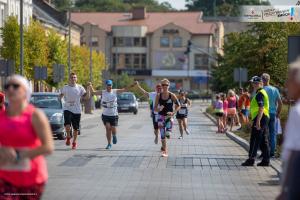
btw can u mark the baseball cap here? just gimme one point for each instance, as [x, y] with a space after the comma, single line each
[256, 79]
[108, 82]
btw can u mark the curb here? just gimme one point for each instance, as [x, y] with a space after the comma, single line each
[242, 142]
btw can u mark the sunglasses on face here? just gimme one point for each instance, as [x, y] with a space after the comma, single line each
[108, 85]
[165, 85]
[14, 85]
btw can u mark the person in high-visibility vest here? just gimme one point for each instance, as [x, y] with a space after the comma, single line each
[259, 111]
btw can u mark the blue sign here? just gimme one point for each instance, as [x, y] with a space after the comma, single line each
[200, 79]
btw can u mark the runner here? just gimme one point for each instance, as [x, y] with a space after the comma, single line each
[225, 109]
[110, 115]
[182, 114]
[164, 105]
[72, 93]
[154, 115]
[219, 112]
[232, 104]
[244, 106]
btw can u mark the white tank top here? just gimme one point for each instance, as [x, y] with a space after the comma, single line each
[109, 103]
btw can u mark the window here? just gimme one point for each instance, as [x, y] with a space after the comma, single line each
[128, 42]
[95, 42]
[164, 42]
[201, 61]
[136, 60]
[177, 42]
[144, 42]
[137, 42]
[120, 42]
[128, 60]
[143, 61]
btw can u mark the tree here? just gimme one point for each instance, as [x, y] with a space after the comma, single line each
[120, 5]
[62, 4]
[221, 7]
[10, 34]
[261, 49]
[35, 47]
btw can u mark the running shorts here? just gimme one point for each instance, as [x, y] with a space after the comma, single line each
[72, 119]
[155, 120]
[231, 111]
[245, 112]
[112, 120]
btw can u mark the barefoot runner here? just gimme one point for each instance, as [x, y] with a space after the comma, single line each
[154, 115]
[164, 105]
[182, 114]
[110, 115]
[72, 94]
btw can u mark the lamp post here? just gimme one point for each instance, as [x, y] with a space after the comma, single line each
[21, 39]
[69, 43]
[91, 52]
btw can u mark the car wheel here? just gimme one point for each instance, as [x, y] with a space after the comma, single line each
[61, 136]
[135, 112]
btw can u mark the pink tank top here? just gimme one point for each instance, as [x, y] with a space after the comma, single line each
[225, 106]
[18, 132]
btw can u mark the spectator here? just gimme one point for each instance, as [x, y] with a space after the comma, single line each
[2, 102]
[232, 104]
[275, 104]
[225, 109]
[291, 146]
[259, 109]
[25, 139]
[244, 105]
[219, 112]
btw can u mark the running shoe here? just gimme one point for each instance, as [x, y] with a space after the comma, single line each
[74, 145]
[68, 141]
[156, 140]
[168, 133]
[187, 132]
[164, 154]
[108, 147]
[115, 140]
[180, 137]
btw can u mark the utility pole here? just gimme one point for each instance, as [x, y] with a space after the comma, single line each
[91, 53]
[69, 44]
[21, 39]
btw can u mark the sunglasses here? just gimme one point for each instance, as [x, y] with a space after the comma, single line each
[14, 85]
[165, 85]
[109, 85]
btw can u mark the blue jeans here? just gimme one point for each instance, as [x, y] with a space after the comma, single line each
[272, 134]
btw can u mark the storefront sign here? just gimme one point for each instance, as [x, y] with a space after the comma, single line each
[135, 72]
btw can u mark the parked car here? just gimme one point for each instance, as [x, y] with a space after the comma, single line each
[193, 94]
[127, 102]
[52, 105]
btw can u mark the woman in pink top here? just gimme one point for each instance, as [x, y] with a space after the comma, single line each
[232, 104]
[25, 138]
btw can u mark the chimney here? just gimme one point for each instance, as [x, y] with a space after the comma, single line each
[139, 13]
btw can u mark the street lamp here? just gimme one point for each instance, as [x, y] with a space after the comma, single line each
[69, 38]
[91, 51]
[21, 39]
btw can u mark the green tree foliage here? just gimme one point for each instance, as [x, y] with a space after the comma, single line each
[120, 5]
[62, 4]
[261, 49]
[35, 47]
[11, 40]
[223, 7]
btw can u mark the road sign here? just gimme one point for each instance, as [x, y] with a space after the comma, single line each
[7, 67]
[40, 73]
[293, 48]
[240, 75]
[58, 73]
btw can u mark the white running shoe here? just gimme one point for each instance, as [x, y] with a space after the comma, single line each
[164, 154]
[180, 137]
[187, 132]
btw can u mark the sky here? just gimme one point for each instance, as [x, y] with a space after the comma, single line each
[180, 4]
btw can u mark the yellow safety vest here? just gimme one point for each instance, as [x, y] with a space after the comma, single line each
[254, 108]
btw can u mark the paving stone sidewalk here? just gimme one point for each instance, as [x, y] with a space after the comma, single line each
[204, 165]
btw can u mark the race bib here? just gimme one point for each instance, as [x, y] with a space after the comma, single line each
[182, 111]
[71, 103]
[22, 165]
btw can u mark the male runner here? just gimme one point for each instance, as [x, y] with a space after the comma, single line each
[110, 115]
[72, 94]
[154, 114]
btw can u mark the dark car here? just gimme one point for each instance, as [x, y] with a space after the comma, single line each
[127, 102]
[52, 105]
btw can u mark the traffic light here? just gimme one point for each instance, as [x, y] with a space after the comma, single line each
[188, 49]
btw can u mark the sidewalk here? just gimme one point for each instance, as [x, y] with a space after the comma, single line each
[204, 165]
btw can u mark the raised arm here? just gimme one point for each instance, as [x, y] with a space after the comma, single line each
[95, 92]
[126, 88]
[142, 89]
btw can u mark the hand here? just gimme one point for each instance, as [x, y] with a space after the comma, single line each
[136, 83]
[257, 125]
[170, 113]
[7, 155]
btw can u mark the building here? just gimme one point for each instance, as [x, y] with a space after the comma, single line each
[152, 46]
[51, 18]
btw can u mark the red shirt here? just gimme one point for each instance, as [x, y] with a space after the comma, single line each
[18, 132]
[2, 100]
[244, 101]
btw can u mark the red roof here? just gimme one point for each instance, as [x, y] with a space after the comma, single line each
[191, 21]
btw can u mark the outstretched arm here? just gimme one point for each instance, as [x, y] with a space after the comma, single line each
[126, 88]
[95, 92]
[142, 89]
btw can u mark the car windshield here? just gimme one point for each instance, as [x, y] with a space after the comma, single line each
[46, 101]
[125, 97]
